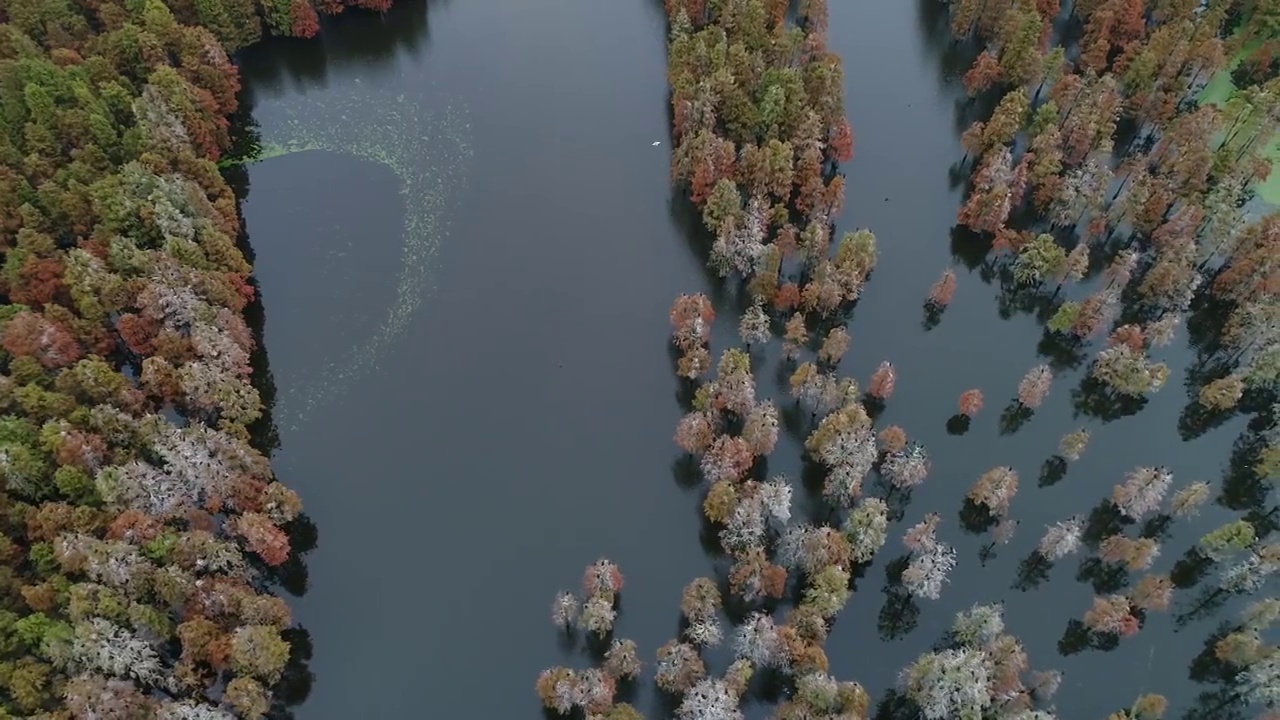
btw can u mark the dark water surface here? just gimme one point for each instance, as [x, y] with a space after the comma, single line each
[520, 425]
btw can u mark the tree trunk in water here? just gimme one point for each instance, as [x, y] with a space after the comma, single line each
[1247, 146]
[1195, 78]
[1205, 603]
[1231, 132]
[1123, 182]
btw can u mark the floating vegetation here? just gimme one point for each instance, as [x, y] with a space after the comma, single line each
[429, 150]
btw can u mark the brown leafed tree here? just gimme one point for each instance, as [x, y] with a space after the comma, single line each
[1111, 614]
[943, 290]
[1034, 386]
[892, 439]
[883, 381]
[834, 346]
[984, 73]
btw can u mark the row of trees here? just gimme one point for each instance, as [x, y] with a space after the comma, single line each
[141, 525]
[759, 123]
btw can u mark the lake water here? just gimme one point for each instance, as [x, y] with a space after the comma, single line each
[466, 291]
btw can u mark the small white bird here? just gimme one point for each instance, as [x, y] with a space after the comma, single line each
[657, 143]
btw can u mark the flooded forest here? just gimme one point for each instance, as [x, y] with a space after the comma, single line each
[692, 359]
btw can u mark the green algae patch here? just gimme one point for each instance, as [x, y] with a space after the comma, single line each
[429, 151]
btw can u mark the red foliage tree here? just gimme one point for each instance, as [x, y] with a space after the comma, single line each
[691, 318]
[1095, 48]
[706, 160]
[602, 576]
[205, 64]
[841, 142]
[1130, 22]
[1254, 265]
[942, 291]
[138, 332]
[812, 191]
[984, 73]
[883, 381]
[695, 432]
[262, 537]
[1128, 335]
[787, 297]
[134, 526]
[728, 458]
[970, 402]
[246, 494]
[31, 335]
[80, 449]
[696, 10]
[306, 23]
[834, 200]
[39, 282]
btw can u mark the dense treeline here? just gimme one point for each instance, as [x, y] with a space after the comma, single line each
[138, 521]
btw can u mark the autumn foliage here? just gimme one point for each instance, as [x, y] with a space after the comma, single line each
[970, 402]
[150, 522]
[1108, 197]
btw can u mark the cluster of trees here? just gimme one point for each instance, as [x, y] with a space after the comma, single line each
[679, 670]
[140, 525]
[759, 126]
[1114, 154]
[979, 671]
[593, 690]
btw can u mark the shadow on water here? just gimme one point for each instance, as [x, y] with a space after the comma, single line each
[263, 432]
[296, 679]
[952, 57]
[687, 220]
[374, 42]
